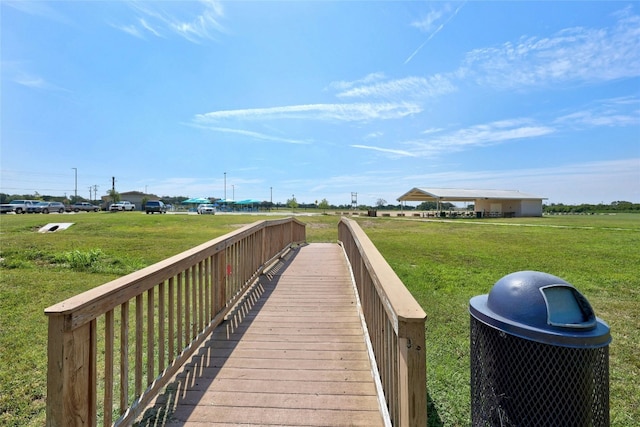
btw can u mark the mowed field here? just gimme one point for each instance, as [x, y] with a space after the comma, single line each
[443, 264]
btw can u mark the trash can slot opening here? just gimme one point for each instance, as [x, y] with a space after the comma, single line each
[567, 308]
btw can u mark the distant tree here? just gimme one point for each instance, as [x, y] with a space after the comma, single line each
[380, 203]
[324, 204]
[427, 206]
[114, 196]
[292, 202]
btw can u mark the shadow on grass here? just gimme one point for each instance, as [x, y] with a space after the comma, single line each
[433, 417]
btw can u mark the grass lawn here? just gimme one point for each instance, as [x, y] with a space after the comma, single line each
[444, 264]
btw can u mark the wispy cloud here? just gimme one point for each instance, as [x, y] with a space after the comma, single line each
[255, 135]
[329, 112]
[581, 55]
[409, 87]
[374, 135]
[610, 112]
[438, 142]
[37, 82]
[37, 8]
[479, 136]
[144, 24]
[366, 80]
[132, 30]
[399, 153]
[427, 24]
[158, 18]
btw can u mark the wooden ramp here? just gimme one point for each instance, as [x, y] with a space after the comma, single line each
[292, 354]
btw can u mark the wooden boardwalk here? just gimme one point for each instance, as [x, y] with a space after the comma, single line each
[293, 353]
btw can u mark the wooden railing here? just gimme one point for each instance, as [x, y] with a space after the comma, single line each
[111, 349]
[396, 326]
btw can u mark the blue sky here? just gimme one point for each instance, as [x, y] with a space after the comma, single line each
[321, 99]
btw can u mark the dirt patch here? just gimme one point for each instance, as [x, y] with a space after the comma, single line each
[319, 225]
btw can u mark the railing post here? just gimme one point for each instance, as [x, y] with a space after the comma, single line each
[71, 374]
[412, 372]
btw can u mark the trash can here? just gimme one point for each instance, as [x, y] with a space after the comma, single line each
[539, 355]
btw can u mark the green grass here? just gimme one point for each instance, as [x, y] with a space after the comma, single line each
[444, 264]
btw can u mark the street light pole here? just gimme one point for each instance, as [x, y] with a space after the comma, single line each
[75, 197]
[225, 186]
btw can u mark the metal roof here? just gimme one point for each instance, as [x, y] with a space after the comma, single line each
[463, 195]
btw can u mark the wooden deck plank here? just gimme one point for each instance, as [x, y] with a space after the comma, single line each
[293, 355]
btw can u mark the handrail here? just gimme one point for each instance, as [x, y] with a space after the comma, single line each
[134, 333]
[396, 325]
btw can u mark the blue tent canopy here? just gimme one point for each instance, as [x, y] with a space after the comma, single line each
[197, 200]
[248, 202]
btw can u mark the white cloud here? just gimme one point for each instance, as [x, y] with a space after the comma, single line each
[368, 79]
[399, 153]
[129, 29]
[148, 27]
[408, 87]
[610, 112]
[481, 135]
[256, 135]
[427, 24]
[478, 136]
[37, 8]
[339, 112]
[578, 54]
[179, 18]
[373, 135]
[37, 82]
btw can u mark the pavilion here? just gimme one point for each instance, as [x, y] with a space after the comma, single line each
[497, 203]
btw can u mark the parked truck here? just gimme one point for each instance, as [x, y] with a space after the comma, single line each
[17, 206]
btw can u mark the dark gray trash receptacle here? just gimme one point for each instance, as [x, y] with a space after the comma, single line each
[539, 355]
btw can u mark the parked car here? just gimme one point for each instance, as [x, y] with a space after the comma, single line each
[85, 207]
[153, 206]
[122, 206]
[18, 206]
[47, 207]
[206, 208]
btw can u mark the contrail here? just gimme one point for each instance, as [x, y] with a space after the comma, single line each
[434, 33]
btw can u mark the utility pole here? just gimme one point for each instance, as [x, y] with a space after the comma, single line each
[90, 188]
[225, 186]
[76, 186]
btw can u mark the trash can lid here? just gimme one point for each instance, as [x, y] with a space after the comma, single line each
[543, 308]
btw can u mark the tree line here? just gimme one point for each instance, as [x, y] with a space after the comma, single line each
[619, 206]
